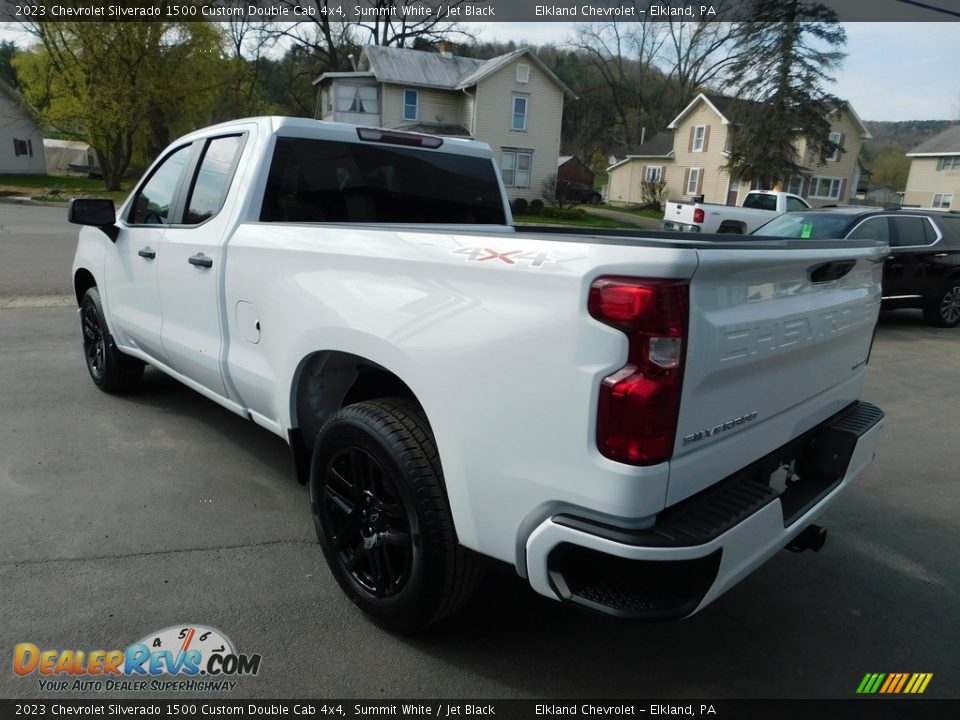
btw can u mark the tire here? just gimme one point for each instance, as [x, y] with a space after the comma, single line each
[380, 510]
[944, 310]
[110, 369]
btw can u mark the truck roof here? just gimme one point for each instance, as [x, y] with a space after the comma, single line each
[344, 132]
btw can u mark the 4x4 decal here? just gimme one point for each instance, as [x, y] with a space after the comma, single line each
[510, 257]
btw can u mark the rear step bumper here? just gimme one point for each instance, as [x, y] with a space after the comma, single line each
[704, 545]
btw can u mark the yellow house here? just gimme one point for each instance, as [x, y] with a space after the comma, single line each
[690, 158]
[513, 102]
[934, 179]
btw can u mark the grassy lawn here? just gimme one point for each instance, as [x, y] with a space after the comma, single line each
[593, 221]
[58, 187]
[647, 213]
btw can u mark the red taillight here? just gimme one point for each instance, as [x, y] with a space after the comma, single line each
[698, 215]
[639, 404]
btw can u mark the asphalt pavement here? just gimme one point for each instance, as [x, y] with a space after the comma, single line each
[124, 515]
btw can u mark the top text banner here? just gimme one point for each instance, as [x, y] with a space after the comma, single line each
[459, 11]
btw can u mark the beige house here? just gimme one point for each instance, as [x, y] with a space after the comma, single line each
[690, 158]
[21, 140]
[934, 179]
[513, 102]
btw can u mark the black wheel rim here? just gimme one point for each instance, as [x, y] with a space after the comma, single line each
[950, 305]
[365, 523]
[93, 345]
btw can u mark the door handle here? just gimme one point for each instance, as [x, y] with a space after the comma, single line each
[940, 255]
[148, 252]
[200, 260]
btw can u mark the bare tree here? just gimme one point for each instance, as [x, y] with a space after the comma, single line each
[697, 54]
[330, 41]
[622, 55]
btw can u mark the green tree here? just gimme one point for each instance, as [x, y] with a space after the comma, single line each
[8, 49]
[123, 86]
[786, 53]
[891, 168]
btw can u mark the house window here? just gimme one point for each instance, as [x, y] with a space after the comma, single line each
[519, 113]
[699, 133]
[411, 104]
[22, 147]
[948, 163]
[728, 143]
[357, 99]
[795, 185]
[826, 188]
[942, 201]
[837, 139]
[523, 73]
[653, 174]
[516, 167]
[693, 181]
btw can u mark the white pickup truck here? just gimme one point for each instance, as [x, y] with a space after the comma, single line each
[633, 422]
[759, 207]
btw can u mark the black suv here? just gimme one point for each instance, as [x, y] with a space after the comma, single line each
[923, 268]
[577, 192]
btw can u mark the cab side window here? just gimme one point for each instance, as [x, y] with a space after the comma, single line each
[877, 228]
[794, 205]
[151, 205]
[213, 178]
[912, 230]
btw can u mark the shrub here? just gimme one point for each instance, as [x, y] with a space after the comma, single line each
[653, 193]
[565, 213]
[536, 207]
[520, 206]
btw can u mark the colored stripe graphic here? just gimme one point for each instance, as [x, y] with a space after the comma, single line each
[894, 683]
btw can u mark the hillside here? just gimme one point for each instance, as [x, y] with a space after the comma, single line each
[907, 134]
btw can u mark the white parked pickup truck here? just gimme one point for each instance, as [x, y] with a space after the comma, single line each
[759, 207]
[633, 422]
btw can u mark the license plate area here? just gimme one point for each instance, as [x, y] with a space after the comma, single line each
[799, 473]
[804, 470]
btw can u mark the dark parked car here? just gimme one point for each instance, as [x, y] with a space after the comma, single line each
[576, 192]
[923, 268]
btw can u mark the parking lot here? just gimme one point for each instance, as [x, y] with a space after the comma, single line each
[120, 516]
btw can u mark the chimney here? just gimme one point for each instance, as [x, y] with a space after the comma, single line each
[444, 48]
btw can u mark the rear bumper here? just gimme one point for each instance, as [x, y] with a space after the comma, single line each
[674, 226]
[703, 546]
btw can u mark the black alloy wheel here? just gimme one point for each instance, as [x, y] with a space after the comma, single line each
[93, 344]
[110, 369]
[380, 508]
[369, 528]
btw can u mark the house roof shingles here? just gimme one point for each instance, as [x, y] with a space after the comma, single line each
[421, 68]
[945, 143]
[660, 145]
[417, 67]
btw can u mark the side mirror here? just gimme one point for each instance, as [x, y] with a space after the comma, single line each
[97, 213]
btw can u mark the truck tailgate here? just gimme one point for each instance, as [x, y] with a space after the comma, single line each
[777, 343]
[677, 213]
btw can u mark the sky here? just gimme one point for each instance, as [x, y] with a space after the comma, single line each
[893, 71]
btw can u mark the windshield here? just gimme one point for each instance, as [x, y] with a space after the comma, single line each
[806, 225]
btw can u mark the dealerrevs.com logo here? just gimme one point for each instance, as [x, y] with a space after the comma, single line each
[177, 658]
